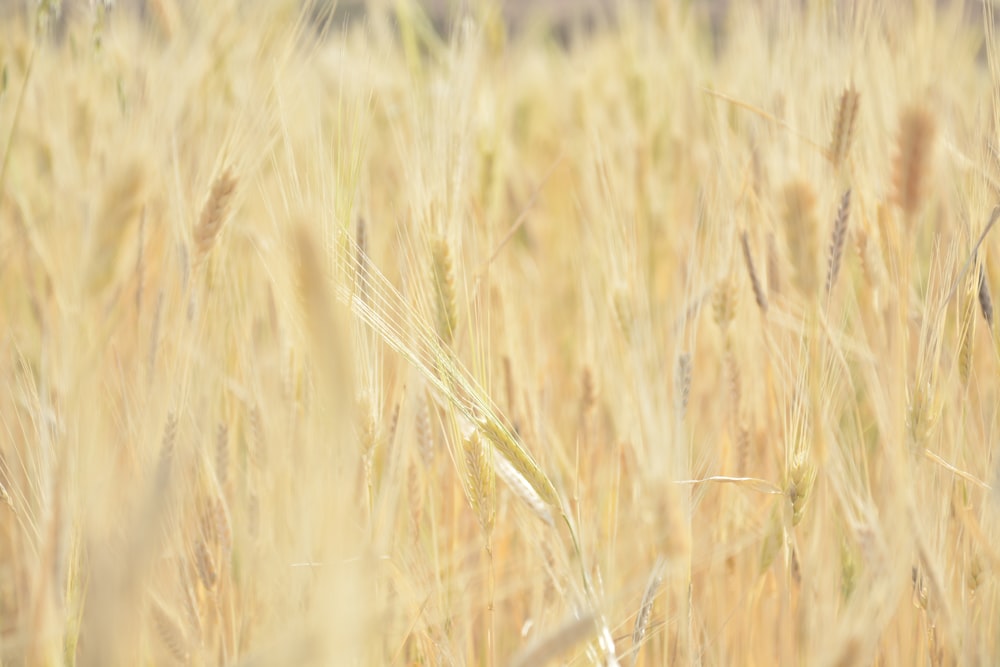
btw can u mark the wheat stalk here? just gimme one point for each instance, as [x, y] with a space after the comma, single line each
[445, 376]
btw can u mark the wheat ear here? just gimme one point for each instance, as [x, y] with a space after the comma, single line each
[646, 608]
[480, 480]
[758, 291]
[837, 240]
[682, 384]
[170, 632]
[916, 135]
[213, 215]
[985, 302]
[800, 233]
[843, 126]
[444, 289]
[547, 648]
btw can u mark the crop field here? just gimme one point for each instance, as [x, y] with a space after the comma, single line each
[377, 335]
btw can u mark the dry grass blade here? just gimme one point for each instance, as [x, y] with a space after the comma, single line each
[759, 485]
[955, 471]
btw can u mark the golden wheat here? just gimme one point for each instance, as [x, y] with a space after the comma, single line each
[283, 293]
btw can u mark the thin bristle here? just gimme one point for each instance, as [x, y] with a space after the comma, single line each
[361, 239]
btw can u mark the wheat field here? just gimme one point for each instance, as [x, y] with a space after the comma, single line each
[663, 338]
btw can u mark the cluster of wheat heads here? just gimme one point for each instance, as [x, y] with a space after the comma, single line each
[669, 343]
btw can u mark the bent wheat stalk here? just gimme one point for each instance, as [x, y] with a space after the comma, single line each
[445, 375]
[449, 381]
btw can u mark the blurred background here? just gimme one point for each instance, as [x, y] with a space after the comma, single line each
[563, 16]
